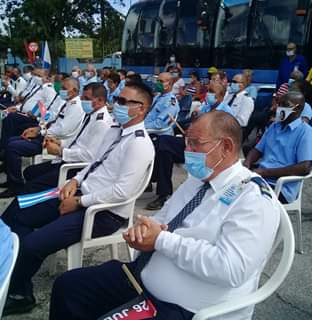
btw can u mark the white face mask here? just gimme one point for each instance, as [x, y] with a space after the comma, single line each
[75, 74]
[88, 74]
[38, 80]
[27, 76]
[290, 53]
[283, 113]
[172, 59]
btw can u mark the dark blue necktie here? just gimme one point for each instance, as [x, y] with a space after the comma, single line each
[175, 223]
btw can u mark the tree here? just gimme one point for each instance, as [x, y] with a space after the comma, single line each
[51, 20]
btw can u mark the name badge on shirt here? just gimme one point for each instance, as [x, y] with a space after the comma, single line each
[231, 194]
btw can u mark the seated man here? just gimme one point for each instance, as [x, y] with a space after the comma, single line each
[46, 228]
[65, 126]
[203, 248]
[285, 148]
[165, 104]
[83, 148]
[19, 117]
[237, 98]
[6, 251]
[170, 149]
[114, 90]
[17, 84]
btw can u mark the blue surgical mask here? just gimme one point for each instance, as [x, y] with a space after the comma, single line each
[87, 106]
[63, 94]
[290, 81]
[211, 99]
[120, 112]
[195, 163]
[234, 87]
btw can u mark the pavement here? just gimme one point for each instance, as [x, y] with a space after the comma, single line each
[292, 301]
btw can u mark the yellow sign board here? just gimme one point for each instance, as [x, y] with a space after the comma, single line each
[79, 48]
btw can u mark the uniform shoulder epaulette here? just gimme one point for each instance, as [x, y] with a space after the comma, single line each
[263, 186]
[100, 116]
[61, 115]
[73, 102]
[115, 126]
[173, 100]
[49, 85]
[139, 133]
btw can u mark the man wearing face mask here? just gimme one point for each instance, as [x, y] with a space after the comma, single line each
[20, 118]
[239, 101]
[18, 84]
[65, 126]
[172, 63]
[290, 63]
[164, 104]
[83, 148]
[90, 74]
[285, 148]
[113, 177]
[207, 245]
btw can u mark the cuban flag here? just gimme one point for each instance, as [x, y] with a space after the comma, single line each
[46, 57]
[29, 200]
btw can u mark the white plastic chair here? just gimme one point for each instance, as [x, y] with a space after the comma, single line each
[5, 287]
[285, 234]
[295, 205]
[75, 252]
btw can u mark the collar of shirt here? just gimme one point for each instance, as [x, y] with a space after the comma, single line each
[244, 92]
[222, 179]
[74, 100]
[131, 129]
[292, 126]
[102, 109]
[47, 84]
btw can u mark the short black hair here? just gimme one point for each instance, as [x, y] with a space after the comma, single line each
[195, 74]
[142, 89]
[27, 69]
[134, 78]
[115, 77]
[98, 90]
[122, 71]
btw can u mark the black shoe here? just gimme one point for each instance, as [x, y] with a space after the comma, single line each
[4, 185]
[8, 193]
[157, 204]
[18, 305]
[149, 188]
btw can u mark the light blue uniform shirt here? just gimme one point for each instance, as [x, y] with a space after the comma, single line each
[307, 111]
[221, 107]
[6, 250]
[252, 92]
[158, 117]
[122, 84]
[112, 95]
[286, 147]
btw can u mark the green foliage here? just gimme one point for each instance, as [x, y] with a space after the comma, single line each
[52, 20]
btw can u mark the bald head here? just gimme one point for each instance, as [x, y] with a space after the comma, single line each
[240, 80]
[72, 87]
[292, 99]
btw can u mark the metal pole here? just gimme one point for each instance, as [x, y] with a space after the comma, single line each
[102, 9]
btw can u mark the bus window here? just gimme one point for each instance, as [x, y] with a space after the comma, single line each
[276, 23]
[231, 28]
[147, 27]
[167, 16]
[129, 32]
[188, 31]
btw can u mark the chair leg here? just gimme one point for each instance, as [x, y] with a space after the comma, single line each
[299, 232]
[74, 256]
[114, 251]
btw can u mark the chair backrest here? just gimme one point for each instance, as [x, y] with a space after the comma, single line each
[285, 234]
[5, 286]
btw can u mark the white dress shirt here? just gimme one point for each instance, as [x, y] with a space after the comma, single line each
[30, 85]
[220, 250]
[119, 176]
[68, 121]
[17, 87]
[242, 107]
[88, 143]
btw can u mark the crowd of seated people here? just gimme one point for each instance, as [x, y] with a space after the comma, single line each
[203, 242]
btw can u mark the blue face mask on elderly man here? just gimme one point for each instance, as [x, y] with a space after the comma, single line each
[195, 163]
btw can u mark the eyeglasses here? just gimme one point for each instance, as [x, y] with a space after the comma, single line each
[129, 103]
[235, 81]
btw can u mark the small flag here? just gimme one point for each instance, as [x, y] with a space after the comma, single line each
[29, 200]
[137, 309]
[46, 57]
[39, 111]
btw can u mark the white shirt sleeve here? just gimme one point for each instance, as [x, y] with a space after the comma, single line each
[247, 107]
[239, 249]
[128, 180]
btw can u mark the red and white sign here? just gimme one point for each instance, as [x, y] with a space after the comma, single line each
[33, 46]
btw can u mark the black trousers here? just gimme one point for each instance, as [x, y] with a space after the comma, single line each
[88, 293]
[169, 150]
[43, 231]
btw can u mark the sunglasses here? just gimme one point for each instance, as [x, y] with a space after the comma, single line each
[126, 102]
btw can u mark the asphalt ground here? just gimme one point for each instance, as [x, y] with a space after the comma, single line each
[292, 301]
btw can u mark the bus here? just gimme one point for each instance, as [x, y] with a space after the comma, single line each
[229, 34]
